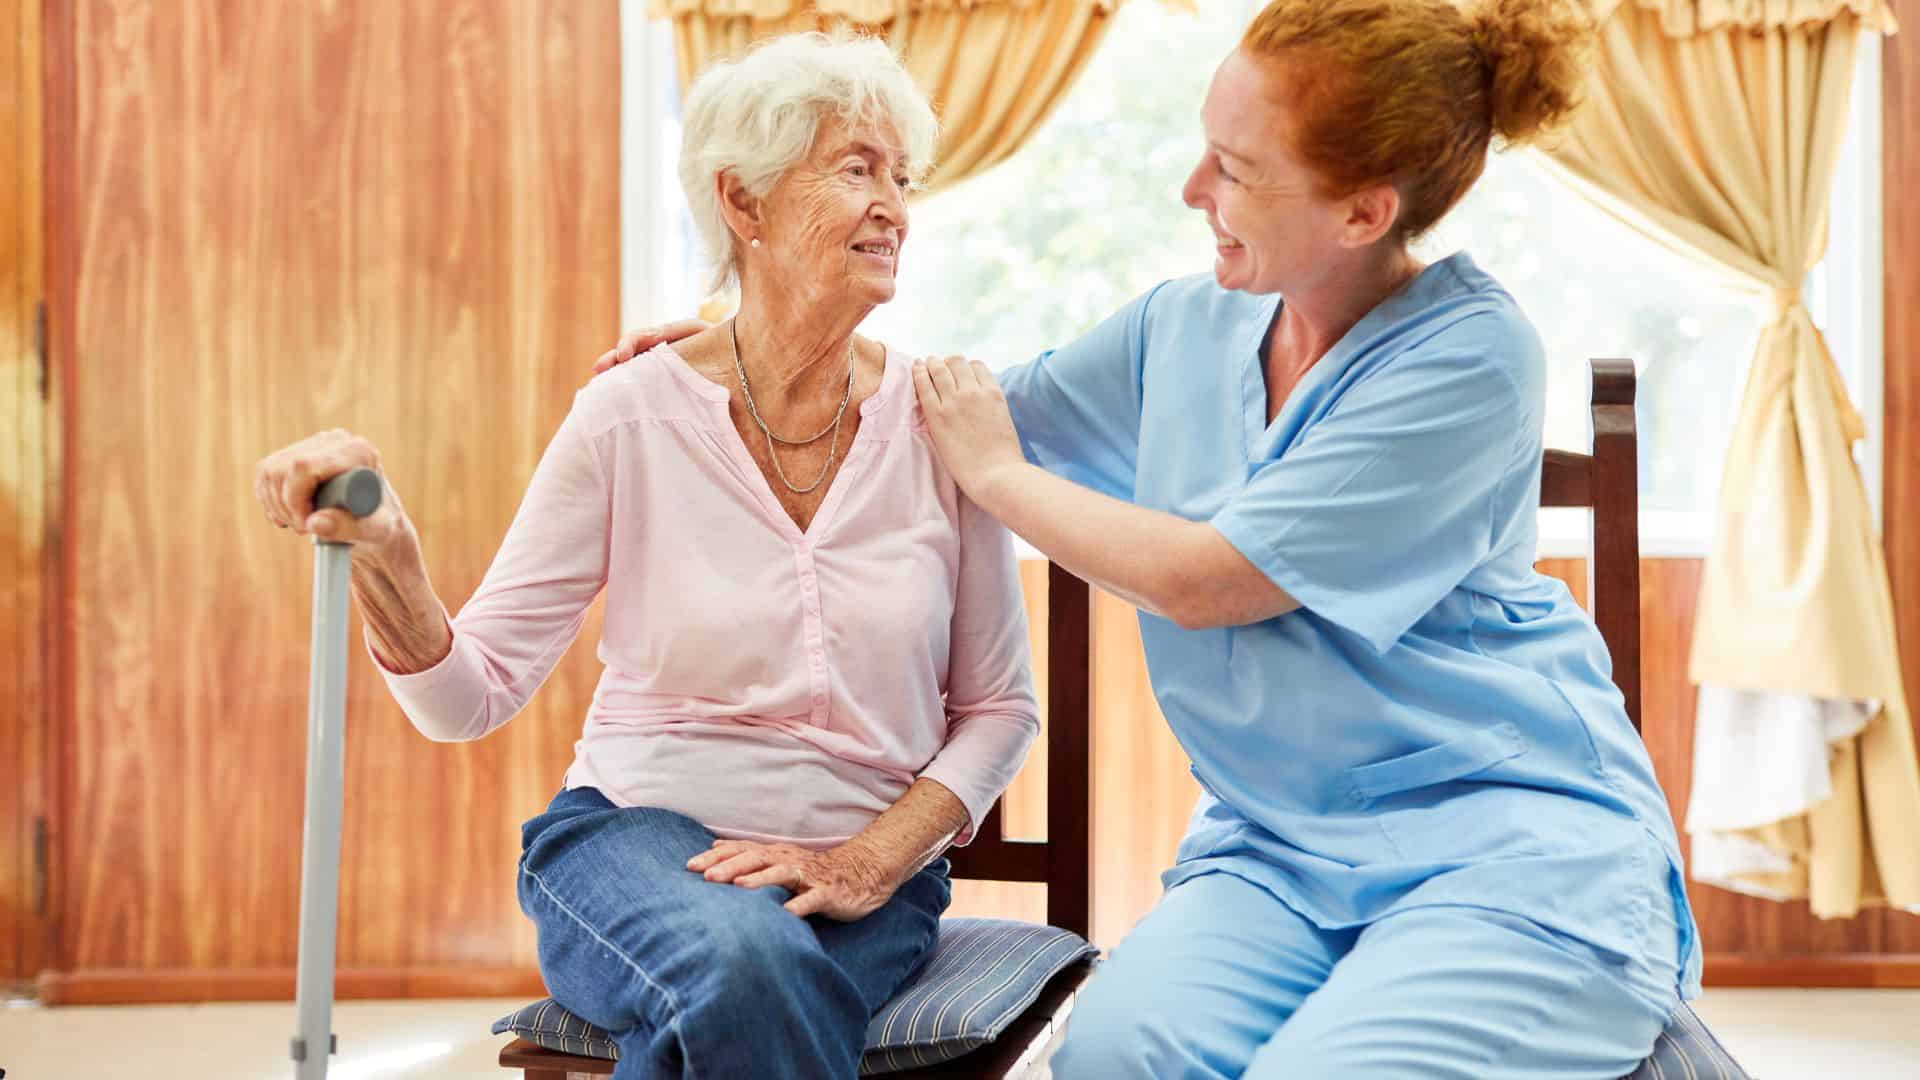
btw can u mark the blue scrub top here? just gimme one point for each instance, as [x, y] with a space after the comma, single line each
[1436, 724]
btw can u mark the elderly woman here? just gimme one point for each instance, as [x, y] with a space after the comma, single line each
[815, 649]
[1429, 843]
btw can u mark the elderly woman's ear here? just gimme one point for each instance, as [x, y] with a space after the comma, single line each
[738, 206]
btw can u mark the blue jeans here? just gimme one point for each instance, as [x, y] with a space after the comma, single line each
[698, 979]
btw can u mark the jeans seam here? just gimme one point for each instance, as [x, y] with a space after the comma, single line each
[673, 1003]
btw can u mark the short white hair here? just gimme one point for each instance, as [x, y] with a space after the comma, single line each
[758, 116]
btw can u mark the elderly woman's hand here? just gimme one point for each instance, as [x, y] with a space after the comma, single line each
[635, 342]
[285, 481]
[836, 882]
[968, 419]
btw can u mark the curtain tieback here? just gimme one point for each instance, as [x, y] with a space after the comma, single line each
[1785, 299]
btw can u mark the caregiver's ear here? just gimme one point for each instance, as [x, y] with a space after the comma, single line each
[1372, 212]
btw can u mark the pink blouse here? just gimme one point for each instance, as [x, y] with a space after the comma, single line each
[773, 685]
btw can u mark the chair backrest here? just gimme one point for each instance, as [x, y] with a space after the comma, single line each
[1606, 480]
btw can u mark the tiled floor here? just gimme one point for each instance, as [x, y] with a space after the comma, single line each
[1776, 1034]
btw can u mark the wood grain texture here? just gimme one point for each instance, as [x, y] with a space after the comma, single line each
[162, 986]
[22, 491]
[399, 218]
[1883, 971]
[1900, 447]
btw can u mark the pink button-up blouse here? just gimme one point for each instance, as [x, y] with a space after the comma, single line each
[772, 684]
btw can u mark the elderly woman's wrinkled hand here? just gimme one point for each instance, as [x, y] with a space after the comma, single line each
[285, 482]
[635, 342]
[834, 882]
[968, 419]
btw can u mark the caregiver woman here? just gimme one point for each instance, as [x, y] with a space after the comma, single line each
[1429, 843]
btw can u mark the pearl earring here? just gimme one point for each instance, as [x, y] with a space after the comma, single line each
[755, 241]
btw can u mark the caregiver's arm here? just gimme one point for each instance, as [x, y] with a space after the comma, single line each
[1181, 570]
[634, 342]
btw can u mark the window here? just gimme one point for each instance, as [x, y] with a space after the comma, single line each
[661, 276]
[1082, 219]
[1088, 215]
[1846, 292]
[1593, 287]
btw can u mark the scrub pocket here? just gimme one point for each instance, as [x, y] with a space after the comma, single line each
[1427, 826]
[1453, 760]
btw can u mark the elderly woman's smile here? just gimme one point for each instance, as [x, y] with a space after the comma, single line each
[837, 220]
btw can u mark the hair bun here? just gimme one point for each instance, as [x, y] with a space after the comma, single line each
[1537, 54]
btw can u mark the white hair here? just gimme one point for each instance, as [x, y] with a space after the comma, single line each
[758, 117]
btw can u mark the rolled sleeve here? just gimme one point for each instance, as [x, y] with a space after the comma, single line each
[1077, 408]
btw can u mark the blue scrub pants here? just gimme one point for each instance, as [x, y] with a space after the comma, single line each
[1221, 979]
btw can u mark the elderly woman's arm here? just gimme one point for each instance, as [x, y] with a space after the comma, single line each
[992, 714]
[460, 679]
[530, 605]
[406, 623]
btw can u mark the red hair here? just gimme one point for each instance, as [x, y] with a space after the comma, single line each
[1412, 92]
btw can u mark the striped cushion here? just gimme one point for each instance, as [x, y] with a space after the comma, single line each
[546, 1023]
[982, 976]
[1688, 1051]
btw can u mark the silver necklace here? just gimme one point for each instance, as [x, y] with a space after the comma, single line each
[733, 335]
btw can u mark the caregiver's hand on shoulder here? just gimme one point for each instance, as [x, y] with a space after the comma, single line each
[835, 882]
[968, 419]
[285, 481]
[635, 342]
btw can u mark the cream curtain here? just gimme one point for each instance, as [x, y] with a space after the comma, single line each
[1713, 126]
[994, 69]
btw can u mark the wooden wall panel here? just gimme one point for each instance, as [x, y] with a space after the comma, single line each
[22, 491]
[398, 218]
[1900, 448]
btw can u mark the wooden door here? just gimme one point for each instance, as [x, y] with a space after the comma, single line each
[22, 499]
[395, 217]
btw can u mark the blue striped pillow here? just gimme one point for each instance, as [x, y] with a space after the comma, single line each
[983, 974]
[1688, 1051]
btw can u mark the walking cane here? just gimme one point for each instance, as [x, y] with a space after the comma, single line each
[358, 493]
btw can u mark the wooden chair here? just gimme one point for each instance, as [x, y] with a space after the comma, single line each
[1607, 481]
[1063, 861]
